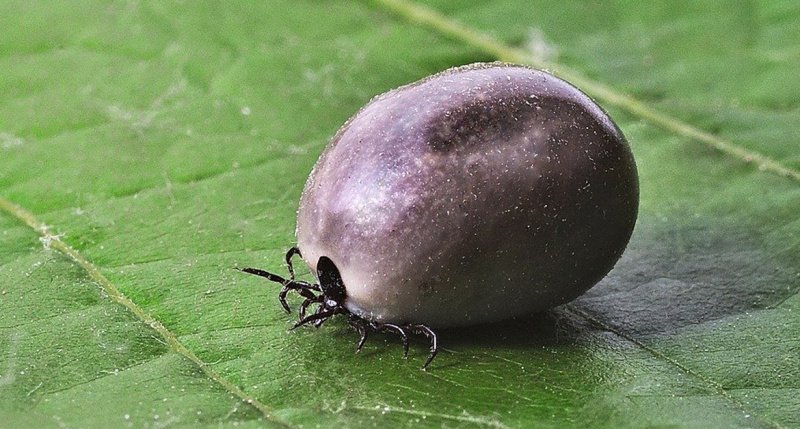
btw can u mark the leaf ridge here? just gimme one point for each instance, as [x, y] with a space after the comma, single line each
[716, 387]
[54, 241]
[466, 418]
[453, 29]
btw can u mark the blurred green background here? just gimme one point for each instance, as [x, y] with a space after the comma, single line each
[146, 148]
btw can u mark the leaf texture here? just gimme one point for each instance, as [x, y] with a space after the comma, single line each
[148, 148]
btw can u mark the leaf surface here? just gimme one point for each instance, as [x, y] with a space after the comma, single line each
[147, 148]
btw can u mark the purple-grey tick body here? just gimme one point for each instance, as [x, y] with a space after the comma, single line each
[478, 194]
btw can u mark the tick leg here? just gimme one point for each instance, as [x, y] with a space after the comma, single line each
[269, 276]
[361, 327]
[428, 332]
[297, 285]
[289, 254]
[319, 322]
[392, 327]
[302, 289]
[320, 315]
[282, 298]
[305, 289]
[308, 301]
[287, 284]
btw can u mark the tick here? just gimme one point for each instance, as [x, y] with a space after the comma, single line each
[481, 193]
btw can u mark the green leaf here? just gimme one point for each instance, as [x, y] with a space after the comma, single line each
[147, 148]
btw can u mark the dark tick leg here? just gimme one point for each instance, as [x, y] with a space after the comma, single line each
[289, 254]
[322, 308]
[269, 276]
[428, 332]
[305, 289]
[277, 279]
[331, 302]
[361, 327]
[307, 302]
[282, 298]
[390, 326]
[319, 322]
[302, 289]
[320, 315]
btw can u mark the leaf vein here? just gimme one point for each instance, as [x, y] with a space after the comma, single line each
[54, 241]
[712, 384]
[481, 421]
[453, 29]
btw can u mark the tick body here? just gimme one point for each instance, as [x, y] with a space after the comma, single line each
[481, 193]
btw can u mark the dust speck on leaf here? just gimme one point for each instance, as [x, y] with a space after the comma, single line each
[539, 46]
[10, 141]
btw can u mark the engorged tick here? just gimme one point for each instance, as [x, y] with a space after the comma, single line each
[478, 194]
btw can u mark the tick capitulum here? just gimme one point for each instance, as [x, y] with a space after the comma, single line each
[330, 296]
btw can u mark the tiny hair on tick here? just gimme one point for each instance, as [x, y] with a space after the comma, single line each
[481, 193]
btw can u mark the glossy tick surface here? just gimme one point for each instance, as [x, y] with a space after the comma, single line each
[479, 194]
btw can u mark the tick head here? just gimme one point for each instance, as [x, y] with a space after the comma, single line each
[330, 281]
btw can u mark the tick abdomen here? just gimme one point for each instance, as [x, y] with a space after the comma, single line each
[479, 194]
